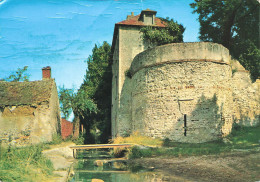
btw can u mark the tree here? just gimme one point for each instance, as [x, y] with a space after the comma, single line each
[97, 84]
[77, 102]
[19, 75]
[235, 25]
[172, 33]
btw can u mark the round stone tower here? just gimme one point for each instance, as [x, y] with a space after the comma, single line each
[182, 91]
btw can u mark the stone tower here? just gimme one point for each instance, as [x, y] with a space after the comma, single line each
[127, 43]
[182, 91]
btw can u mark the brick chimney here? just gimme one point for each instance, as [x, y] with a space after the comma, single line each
[130, 16]
[46, 72]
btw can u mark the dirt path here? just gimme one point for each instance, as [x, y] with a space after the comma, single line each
[235, 166]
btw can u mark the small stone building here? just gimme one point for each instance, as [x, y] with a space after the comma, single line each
[183, 91]
[29, 111]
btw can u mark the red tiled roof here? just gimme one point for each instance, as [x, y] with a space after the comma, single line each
[135, 21]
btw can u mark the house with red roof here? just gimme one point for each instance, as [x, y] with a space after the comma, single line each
[127, 43]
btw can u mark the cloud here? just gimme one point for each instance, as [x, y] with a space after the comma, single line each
[59, 17]
[2, 2]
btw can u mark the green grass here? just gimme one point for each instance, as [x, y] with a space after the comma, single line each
[28, 163]
[24, 164]
[240, 138]
[245, 137]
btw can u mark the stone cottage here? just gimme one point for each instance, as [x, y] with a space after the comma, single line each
[183, 91]
[29, 111]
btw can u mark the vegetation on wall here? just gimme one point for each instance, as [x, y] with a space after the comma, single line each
[157, 36]
[19, 75]
[235, 25]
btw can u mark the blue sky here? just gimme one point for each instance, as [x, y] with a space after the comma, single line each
[62, 33]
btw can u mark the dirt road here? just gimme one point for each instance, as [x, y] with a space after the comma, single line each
[231, 167]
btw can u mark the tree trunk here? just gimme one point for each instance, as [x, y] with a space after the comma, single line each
[226, 39]
[76, 127]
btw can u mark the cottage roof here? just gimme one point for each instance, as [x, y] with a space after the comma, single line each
[25, 93]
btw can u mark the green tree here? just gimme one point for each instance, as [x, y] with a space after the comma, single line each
[97, 84]
[18, 76]
[172, 33]
[235, 25]
[77, 102]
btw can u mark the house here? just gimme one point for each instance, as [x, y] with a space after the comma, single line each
[186, 92]
[29, 111]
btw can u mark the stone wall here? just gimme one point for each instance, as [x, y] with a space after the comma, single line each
[162, 96]
[246, 99]
[185, 92]
[177, 81]
[16, 124]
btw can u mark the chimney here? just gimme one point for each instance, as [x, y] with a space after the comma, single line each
[46, 73]
[130, 16]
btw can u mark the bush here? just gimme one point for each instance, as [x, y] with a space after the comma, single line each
[137, 138]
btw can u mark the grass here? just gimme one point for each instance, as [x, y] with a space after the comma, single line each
[240, 138]
[138, 139]
[28, 163]
[24, 164]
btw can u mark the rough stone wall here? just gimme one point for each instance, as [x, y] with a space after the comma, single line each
[185, 92]
[163, 94]
[16, 124]
[246, 99]
[48, 119]
[171, 81]
[27, 124]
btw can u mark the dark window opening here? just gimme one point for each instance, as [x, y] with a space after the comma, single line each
[185, 125]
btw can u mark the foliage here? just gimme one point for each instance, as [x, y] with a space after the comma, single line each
[24, 164]
[159, 36]
[56, 139]
[78, 102]
[235, 25]
[97, 86]
[79, 140]
[19, 75]
[137, 138]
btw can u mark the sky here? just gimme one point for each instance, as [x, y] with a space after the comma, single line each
[62, 33]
